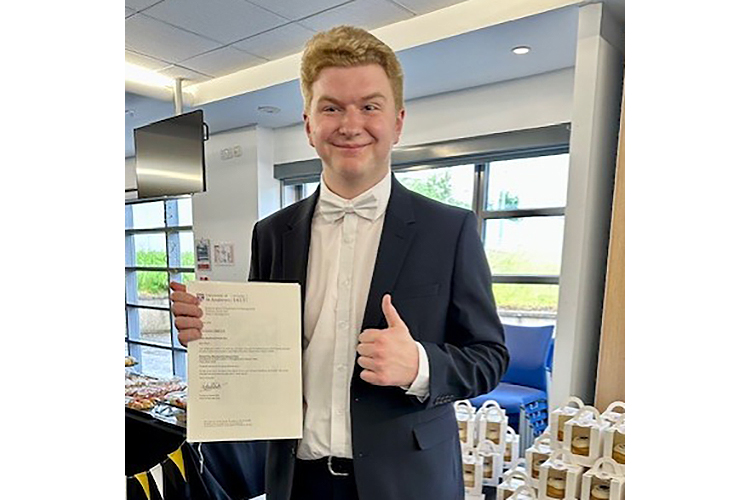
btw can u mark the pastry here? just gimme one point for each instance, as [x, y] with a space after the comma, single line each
[600, 492]
[580, 445]
[493, 432]
[555, 487]
[618, 453]
[561, 426]
[130, 361]
[469, 475]
[488, 471]
[462, 431]
[535, 466]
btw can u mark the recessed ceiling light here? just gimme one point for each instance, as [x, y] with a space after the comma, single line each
[271, 110]
[521, 50]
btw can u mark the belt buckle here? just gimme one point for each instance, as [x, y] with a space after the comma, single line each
[333, 472]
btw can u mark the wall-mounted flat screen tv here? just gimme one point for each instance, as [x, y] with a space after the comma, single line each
[169, 156]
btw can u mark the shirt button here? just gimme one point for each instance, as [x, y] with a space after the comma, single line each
[341, 368]
[339, 412]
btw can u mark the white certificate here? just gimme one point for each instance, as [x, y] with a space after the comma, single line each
[245, 373]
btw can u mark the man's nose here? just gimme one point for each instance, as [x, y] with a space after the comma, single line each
[351, 122]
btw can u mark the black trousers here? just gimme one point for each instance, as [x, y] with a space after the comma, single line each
[314, 481]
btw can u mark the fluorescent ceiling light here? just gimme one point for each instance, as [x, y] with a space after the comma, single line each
[138, 74]
[521, 50]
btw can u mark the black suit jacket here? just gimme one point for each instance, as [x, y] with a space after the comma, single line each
[431, 260]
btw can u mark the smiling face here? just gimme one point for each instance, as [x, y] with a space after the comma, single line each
[352, 123]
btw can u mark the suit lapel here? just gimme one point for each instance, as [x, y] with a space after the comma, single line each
[398, 230]
[296, 243]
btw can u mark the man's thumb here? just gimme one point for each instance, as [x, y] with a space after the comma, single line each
[391, 315]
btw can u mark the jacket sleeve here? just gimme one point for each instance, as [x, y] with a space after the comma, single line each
[254, 257]
[473, 358]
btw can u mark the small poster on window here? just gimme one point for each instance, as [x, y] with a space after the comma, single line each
[203, 255]
[224, 254]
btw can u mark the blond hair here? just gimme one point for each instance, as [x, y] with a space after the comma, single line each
[347, 46]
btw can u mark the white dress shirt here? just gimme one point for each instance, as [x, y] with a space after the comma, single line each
[339, 270]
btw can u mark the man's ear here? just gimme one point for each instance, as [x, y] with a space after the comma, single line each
[308, 129]
[399, 124]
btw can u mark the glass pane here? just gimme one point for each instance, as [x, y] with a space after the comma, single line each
[288, 196]
[156, 362]
[181, 252]
[155, 326]
[183, 216]
[148, 215]
[528, 245]
[451, 185]
[183, 277]
[150, 250]
[539, 182]
[531, 301]
[148, 288]
[309, 188]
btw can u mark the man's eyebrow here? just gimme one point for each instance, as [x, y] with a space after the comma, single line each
[375, 95]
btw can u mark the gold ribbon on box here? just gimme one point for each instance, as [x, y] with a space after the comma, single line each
[172, 479]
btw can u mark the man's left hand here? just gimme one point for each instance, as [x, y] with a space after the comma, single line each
[390, 356]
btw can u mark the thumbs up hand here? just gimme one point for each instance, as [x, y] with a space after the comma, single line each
[389, 356]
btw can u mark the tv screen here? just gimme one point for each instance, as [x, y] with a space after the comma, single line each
[169, 157]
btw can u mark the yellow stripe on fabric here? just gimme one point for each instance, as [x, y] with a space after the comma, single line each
[143, 479]
[176, 457]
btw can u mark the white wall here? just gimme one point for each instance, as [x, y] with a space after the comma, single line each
[536, 101]
[226, 212]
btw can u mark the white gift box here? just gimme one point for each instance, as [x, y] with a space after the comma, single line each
[491, 422]
[584, 435]
[612, 416]
[472, 496]
[524, 493]
[603, 482]
[512, 480]
[558, 418]
[466, 418]
[473, 467]
[614, 445]
[536, 455]
[511, 448]
[559, 478]
[492, 456]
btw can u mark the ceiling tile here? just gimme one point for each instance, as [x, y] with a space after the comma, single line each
[141, 4]
[368, 14]
[299, 9]
[129, 11]
[223, 61]
[278, 42]
[155, 38]
[234, 20]
[190, 76]
[425, 6]
[144, 61]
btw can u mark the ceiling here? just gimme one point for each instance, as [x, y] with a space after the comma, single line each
[203, 41]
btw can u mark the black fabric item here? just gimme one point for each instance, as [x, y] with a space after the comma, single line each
[313, 481]
[237, 468]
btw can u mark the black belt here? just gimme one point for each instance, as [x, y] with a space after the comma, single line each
[336, 466]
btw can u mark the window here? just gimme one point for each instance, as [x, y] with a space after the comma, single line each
[299, 189]
[158, 249]
[515, 182]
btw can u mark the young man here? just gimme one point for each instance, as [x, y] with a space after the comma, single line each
[399, 317]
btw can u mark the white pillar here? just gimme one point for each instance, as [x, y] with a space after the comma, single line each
[597, 95]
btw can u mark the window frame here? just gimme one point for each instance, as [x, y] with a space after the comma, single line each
[133, 340]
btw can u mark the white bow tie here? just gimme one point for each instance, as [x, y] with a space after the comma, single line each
[334, 209]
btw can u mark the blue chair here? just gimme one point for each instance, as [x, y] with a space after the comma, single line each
[523, 390]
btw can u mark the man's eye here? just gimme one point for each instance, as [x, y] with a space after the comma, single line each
[329, 109]
[370, 107]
